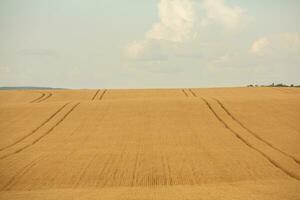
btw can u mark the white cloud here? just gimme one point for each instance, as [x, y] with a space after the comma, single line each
[135, 49]
[259, 46]
[148, 50]
[217, 11]
[281, 45]
[180, 25]
[177, 20]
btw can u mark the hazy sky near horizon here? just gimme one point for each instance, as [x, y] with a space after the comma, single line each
[149, 43]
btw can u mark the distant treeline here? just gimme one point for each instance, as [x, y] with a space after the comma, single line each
[274, 85]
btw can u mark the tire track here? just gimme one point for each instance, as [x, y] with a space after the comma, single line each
[95, 95]
[136, 162]
[253, 133]
[274, 163]
[167, 170]
[43, 135]
[43, 99]
[134, 174]
[36, 129]
[108, 165]
[19, 174]
[102, 95]
[165, 179]
[123, 157]
[37, 99]
[193, 93]
[118, 163]
[85, 170]
[105, 166]
[193, 170]
[185, 93]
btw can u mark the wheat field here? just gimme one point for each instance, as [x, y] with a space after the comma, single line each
[222, 143]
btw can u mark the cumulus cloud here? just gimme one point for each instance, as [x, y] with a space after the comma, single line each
[135, 49]
[146, 50]
[176, 24]
[258, 47]
[179, 24]
[177, 20]
[277, 45]
[228, 17]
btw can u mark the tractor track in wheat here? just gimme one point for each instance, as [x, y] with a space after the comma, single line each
[102, 95]
[20, 174]
[36, 129]
[45, 98]
[43, 135]
[85, 169]
[192, 92]
[253, 133]
[94, 97]
[184, 92]
[37, 99]
[238, 136]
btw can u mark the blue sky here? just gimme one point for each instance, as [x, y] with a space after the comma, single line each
[149, 44]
